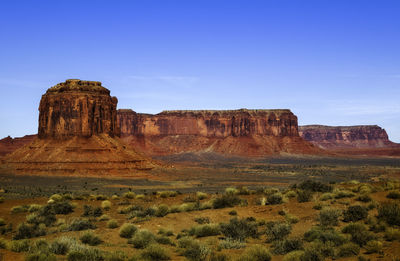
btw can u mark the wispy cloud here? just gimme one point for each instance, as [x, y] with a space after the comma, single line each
[167, 80]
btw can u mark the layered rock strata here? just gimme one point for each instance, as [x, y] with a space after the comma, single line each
[77, 134]
[334, 137]
[241, 132]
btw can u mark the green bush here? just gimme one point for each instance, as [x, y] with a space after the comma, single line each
[85, 254]
[373, 246]
[359, 233]
[315, 186]
[390, 212]
[62, 245]
[112, 223]
[343, 194]
[3, 243]
[325, 235]
[304, 195]
[312, 254]
[193, 249]
[19, 209]
[226, 200]
[355, 213]
[90, 238]
[329, 217]
[106, 204]
[326, 196]
[142, 239]
[201, 195]
[40, 257]
[393, 195]
[231, 244]
[239, 229]
[155, 252]
[277, 230]
[29, 231]
[20, 245]
[78, 224]
[61, 207]
[294, 256]
[202, 220]
[127, 230]
[215, 256]
[162, 210]
[274, 199]
[256, 253]
[164, 240]
[287, 245]
[392, 234]
[364, 198]
[89, 211]
[129, 195]
[46, 215]
[34, 207]
[166, 194]
[347, 250]
[232, 212]
[205, 230]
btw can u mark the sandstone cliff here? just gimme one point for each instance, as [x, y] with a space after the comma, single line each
[77, 108]
[77, 134]
[241, 132]
[8, 144]
[330, 137]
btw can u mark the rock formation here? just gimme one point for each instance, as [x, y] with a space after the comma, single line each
[8, 144]
[241, 132]
[77, 108]
[330, 137]
[77, 134]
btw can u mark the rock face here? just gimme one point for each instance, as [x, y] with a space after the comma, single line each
[8, 144]
[77, 108]
[241, 132]
[329, 137]
[78, 134]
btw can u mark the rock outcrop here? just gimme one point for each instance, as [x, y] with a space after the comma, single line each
[78, 134]
[8, 144]
[241, 132]
[334, 137]
[77, 108]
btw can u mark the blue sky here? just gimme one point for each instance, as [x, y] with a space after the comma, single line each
[330, 62]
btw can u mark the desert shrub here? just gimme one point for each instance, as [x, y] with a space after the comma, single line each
[205, 230]
[325, 235]
[187, 207]
[85, 254]
[129, 195]
[347, 250]
[40, 257]
[3, 243]
[393, 195]
[315, 186]
[284, 246]
[255, 253]
[373, 246]
[343, 194]
[20, 245]
[112, 223]
[79, 224]
[167, 193]
[392, 234]
[355, 213]
[312, 254]
[215, 256]
[162, 210]
[304, 195]
[231, 244]
[317, 206]
[115, 256]
[127, 230]
[231, 191]
[106, 204]
[90, 238]
[61, 207]
[164, 240]
[274, 199]
[46, 215]
[89, 211]
[277, 230]
[294, 256]
[365, 189]
[232, 212]
[226, 200]
[56, 197]
[201, 195]
[292, 219]
[202, 220]
[390, 212]
[326, 196]
[19, 209]
[364, 198]
[142, 239]
[62, 245]
[29, 231]
[104, 217]
[291, 194]
[2, 222]
[359, 233]
[329, 217]
[155, 252]
[193, 249]
[239, 229]
[34, 207]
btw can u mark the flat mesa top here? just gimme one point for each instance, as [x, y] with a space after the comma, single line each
[247, 111]
[76, 85]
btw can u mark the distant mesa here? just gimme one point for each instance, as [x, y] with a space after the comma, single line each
[77, 134]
